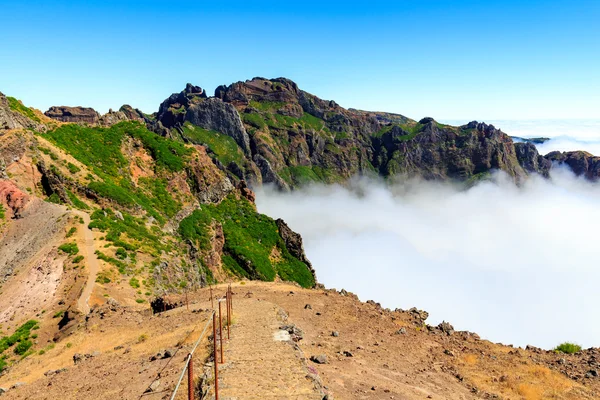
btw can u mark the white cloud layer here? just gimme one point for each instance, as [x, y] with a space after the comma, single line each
[516, 265]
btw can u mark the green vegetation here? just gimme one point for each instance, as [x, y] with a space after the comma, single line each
[134, 283]
[266, 105]
[100, 150]
[2, 212]
[73, 168]
[20, 338]
[69, 248]
[251, 239]
[71, 232]
[76, 202]
[48, 152]
[102, 278]
[121, 266]
[121, 253]
[410, 131]
[77, 259]
[130, 233]
[22, 347]
[59, 314]
[255, 120]
[568, 348]
[224, 147]
[17, 106]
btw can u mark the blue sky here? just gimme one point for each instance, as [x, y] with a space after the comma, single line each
[445, 59]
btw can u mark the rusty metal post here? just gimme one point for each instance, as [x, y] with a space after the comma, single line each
[221, 331]
[227, 323]
[215, 356]
[191, 378]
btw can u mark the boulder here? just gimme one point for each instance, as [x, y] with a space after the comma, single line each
[319, 359]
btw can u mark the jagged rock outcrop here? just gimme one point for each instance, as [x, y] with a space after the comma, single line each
[171, 112]
[581, 163]
[132, 114]
[192, 105]
[213, 114]
[84, 115]
[268, 175]
[293, 242]
[112, 117]
[52, 182]
[531, 160]
[435, 151]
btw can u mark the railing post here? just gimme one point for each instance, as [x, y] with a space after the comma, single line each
[228, 316]
[215, 356]
[221, 331]
[191, 378]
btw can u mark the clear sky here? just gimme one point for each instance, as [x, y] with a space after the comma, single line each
[446, 59]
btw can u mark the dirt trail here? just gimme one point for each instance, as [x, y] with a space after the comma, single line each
[259, 366]
[91, 263]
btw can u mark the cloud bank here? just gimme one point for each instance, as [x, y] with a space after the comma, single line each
[516, 265]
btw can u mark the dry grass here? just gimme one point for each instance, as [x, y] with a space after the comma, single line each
[519, 381]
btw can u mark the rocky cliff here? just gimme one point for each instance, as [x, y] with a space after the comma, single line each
[289, 137]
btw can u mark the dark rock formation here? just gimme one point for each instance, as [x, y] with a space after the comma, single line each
[132, 114]
[581, 163]
[293, 242]
[531, 160]
[172, 111]
[213, 114]
[84, 115]
[52, 182]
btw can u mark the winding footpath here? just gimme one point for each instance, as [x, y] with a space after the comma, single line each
[91, 263]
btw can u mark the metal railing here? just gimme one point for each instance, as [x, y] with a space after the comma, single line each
[189, 363]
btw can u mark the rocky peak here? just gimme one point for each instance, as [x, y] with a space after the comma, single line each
[259, 89]
[132, 114]
[78, 114]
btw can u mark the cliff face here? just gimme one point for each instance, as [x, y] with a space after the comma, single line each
[290, 137]
[581, 163]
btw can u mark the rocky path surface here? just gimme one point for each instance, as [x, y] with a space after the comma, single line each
[91, 263]
[260, 360]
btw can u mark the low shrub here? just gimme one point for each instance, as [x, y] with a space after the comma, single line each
[568, 348]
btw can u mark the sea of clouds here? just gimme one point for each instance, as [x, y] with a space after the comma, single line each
[515, 264]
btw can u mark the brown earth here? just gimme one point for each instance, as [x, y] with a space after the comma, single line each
[373, 354]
